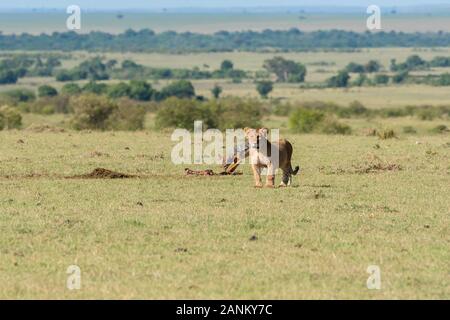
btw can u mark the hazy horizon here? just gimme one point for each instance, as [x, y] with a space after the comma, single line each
[217, 4]
[212, 16]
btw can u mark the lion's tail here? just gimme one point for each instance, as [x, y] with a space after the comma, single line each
[290, 151]
[295, 171]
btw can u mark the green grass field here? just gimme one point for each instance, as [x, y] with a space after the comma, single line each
[165, 235]
[358, 201]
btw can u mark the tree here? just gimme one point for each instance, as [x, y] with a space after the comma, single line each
[264, 88]
[286, 70]
[381, 79]
[216, 91]
[361, 80]
[372, 66]
[111, 64]
[140, 90]
[355, 68]
[339, 81]
[179, 89]
[94, 68]
[400, 77]
[226, 66]
[414, 61]
[47, 91]
[53, 62]
[66, 75]
[130, 64]
[8, 77]
[393, 66]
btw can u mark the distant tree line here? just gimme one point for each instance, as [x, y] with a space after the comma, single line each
[287, 40]
[415, 62]
[97, 69]
[138, 90]
[19, 66]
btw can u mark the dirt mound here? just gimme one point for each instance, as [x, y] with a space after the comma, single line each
[101, 173]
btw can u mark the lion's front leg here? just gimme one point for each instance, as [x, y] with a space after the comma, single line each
[257, 176]
[270, 179]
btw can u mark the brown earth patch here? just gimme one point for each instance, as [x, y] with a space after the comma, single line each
[101, 173]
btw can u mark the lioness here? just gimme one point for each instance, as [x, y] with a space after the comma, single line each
[263, 154]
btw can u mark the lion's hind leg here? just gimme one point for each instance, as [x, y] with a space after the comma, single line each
[286, 179]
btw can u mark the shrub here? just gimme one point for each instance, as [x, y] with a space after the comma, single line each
[305, 120]
[332, 126]
[20, 95]
[91, 112]
[440, 62]
[138, 90]
[393, 112]
[94, 87]
[222, 114]
[101, 113]
[400, 77]
[180, 89]
[127, 116]
[355, 108]
[428, 113]
[71, 89]
[381, 79]
[120, 90]
[339, 81]
[10, 118]
[47, 91]
[282, 109]
[361, 80]
[231, 113]
[48, 105]
[443, 80]
[181, 113]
